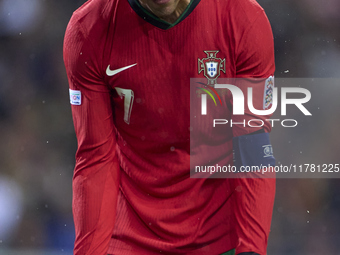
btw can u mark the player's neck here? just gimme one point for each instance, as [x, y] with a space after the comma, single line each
[167, 10]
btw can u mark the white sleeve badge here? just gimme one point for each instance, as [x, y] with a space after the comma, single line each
[75, 97]
[268, 93]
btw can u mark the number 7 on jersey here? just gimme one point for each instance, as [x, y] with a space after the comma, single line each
[128, 102]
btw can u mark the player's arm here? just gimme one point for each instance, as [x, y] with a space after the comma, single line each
[96, 174]
[254, 196]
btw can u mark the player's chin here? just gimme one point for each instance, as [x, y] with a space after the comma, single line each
[161, 2]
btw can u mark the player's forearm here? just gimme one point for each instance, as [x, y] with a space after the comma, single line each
[254, 193]
[253, 212]
[94, 208]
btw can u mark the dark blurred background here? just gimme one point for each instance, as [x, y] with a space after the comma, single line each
[38, 141]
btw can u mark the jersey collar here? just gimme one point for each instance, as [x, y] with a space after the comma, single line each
[157, 22]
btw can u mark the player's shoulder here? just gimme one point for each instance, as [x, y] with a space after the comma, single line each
[248, 5]
[93, 16]
[245, 10]
[86, 34]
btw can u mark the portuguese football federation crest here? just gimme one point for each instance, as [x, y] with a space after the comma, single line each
[212, 66]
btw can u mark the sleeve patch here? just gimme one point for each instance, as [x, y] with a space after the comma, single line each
[253, 150]
[268, 93]
[75, 97]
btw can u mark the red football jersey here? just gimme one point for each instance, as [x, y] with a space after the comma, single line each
[129, 76]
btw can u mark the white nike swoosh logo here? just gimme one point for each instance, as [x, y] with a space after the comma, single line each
[114, 72]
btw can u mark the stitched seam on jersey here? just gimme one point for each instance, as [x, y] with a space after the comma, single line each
[85, 33]
[113, 22]
[87, 38]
